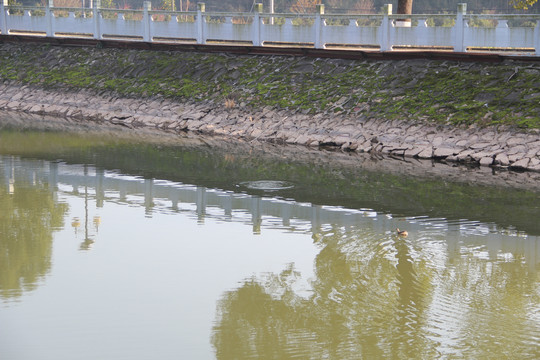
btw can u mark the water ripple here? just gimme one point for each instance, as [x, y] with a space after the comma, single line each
[267, 185]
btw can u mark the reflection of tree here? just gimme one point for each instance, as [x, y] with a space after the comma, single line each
[503, 315]
[264, 325]
[412, 301]
[379, 298]
[27, 218]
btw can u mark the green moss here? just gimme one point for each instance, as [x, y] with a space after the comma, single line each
[450, 93]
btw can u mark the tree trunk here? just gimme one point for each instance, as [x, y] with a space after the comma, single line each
[404, 7]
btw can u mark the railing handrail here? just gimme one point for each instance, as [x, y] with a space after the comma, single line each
[281, 15]
[459, 31]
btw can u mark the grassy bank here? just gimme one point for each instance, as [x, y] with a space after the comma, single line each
[420, 90]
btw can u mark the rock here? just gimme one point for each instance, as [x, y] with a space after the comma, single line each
[502, 159]
[531, 153]
[514, 141]
[415, 151]
[523, 163]
[437, 141]
[464, 155]
[534, 144]
[35, 108]
[257, 132]
[517, 149]
[17, 96]
[476, 146]
[366, 148]
[461, 143]
[515, 157]
[339, 141]
[534, 162]
[477, 156]
[486, 161]
[194, 125]
[443, 152]
[427, 153]
[193, 115]
[13, 105]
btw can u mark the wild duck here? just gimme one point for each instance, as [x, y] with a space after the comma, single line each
[402, 232]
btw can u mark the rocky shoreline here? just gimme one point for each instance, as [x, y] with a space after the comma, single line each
[339, 162]
[500, 147]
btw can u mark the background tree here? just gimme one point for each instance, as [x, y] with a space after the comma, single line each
[184, 5]
[522, 4]
[404, 6]
[305, 6]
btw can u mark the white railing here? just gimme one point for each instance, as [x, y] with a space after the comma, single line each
[458, 32]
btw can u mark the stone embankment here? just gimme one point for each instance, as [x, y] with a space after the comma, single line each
[486, 146]
[485, 113]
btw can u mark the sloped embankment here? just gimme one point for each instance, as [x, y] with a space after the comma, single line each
[456, 111]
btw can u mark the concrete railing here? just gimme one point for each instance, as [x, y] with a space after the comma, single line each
[458, 32]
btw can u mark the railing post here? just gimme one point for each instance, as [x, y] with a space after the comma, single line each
[258, 8]
[3, 17]
[459, 28]
[502, 35]
[536, 38]
[318, 27]
[147, 6]
[97, 19]
[272, 12]
[385, 28]
[49, 17]
[201, 7]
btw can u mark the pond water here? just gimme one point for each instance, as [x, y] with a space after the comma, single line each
[143, 247]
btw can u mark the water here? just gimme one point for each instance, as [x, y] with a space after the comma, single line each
[137, 247]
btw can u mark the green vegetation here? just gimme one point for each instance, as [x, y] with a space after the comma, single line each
[417, 90]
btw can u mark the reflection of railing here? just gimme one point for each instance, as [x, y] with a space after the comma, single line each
[202, 203]
[88, 240]
[385, 32]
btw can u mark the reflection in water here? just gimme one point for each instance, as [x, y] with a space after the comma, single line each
[451, 288]
[88, 240]
[387, 297]
[29, 213]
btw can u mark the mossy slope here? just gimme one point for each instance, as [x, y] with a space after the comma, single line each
[486, 94]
